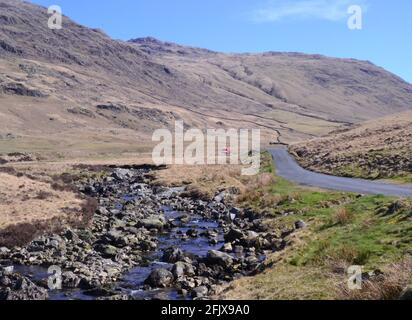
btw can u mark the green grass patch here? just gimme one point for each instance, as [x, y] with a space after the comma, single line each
[403, 179]
[365, 238]
[342, 226]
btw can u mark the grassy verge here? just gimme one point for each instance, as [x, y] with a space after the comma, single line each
[343, 229]
[404, 179]
[391, 164]
[356, 171]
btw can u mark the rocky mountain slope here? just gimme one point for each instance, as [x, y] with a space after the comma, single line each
[376, 149]
[77, 90]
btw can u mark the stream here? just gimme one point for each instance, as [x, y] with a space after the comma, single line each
[132, 283]
[144, 242]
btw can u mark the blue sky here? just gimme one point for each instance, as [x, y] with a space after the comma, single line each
[310, 26]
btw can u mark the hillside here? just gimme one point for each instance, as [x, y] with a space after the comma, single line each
[379, 148]
[77, 91]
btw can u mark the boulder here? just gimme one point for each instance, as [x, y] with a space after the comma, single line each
[220, 258]
[220, 197]
[172, 255]
[251, 235]
[152, 222]
[160, 278]
[5, 271]
[116, 238]
[181, 269]
[233, 235]
[122, 174]
[4, 251]
[233, 214]
[200, 292]
[107, 251]
[70, 280]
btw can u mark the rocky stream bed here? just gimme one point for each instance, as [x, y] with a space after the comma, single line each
[144, 242]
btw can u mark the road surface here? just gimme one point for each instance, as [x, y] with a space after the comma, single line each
[288, 168]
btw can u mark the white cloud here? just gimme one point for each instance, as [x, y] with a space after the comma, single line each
[331, 10]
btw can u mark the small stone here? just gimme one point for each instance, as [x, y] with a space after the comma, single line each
[227, 247]
[192, 233]
[300, 224]
[213, 242]
[108, 251]
[172, 255]
[406, 294]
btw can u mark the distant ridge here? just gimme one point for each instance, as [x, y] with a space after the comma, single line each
[64, 74]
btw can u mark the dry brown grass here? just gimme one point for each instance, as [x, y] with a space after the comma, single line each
[342, 216]
[23, 200]
[254, 187]
[263, 199]
[204, 181]
[256, 192]
[342, 257]
[375, 149]
[387, 286]
[22, 233]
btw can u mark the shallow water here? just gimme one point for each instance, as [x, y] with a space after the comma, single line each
[133, 281]
[198, 246]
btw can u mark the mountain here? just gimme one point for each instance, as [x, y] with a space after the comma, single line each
[77, 90]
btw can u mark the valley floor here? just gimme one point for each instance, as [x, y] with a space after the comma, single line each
[334, 230]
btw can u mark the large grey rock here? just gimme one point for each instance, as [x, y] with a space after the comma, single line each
[122, 174]
[152, 222]
[200, 292]
[107, 251]
[233, 235]
[181, 269]
[160, 278]
[220, 258]
[172, 255]
[220, 197]
[70, 280]
[251, 235]
[5, 271]
[4, 250]
[116, 238]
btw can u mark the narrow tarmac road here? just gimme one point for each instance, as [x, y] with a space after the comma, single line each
[288, 168]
